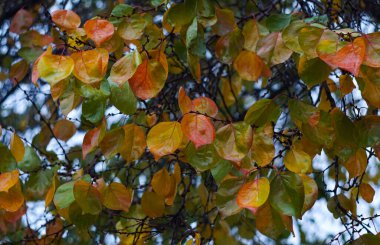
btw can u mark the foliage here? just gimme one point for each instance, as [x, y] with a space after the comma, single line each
[201, 122]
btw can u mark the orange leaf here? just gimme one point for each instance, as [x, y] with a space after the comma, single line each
[64, 129]
[66, 19]
[184, 101]
[148, 79]
[21, 21]
[249, 66]
[206, 106]
[117, 197]
[348, 58]
[8, 180]
[99, 30]
[92, 139]
[253, 194]
[90, 66]
[12, 200]
[198, 128]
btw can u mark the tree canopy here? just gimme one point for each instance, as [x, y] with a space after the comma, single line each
[188, 122]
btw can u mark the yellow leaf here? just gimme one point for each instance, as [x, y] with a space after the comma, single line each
[164, 138]
[297, 161]
[117, 197]
[17, 147]
[311, 192]
[263, 150]
[165, 185]
[253, 194]
[54, 68]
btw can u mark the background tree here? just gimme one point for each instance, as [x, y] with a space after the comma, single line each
[203, 121]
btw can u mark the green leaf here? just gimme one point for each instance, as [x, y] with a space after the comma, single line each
[367, 239]
[203, 158]
[182, 13]
[93, 109]
[290, 35]
[31, 160]
[64, 195]
[7, 161]
[39, 182]
[123, 98]
[287, 194]
[195, 39]
[277, 22]
[262, 112]
[313, 71]
[220, 170]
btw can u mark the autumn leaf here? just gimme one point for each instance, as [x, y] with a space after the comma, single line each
[164, 138]
[54, 68]
[66, 19]
[64, 129]
[253, 194]
[99, 30]
[198, 128]
[21, 21]
[125, 67]
[117, 197]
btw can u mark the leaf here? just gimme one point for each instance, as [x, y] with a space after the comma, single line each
[51, 191]
[30, 162]
[313, 71]
[117, 197]
[92, 139]
[372, 55]
[348, 58]
[181, 14]
[7, 161]
[18, 71]
[8, 180]
[277, 22]
[132, 28]
[357, 163]
[269, 222]
[251, 35]
[249, 66]
[119, 11]
[125, 67]
[164, 138]
[123, 98]
[67, 20]
[54, 68]
[346, 84]
[87, 197]
[262, 112]
[13, 199]
[21, 21]
[205, 106]
[195, 42]
[203, 158]
[263, 150]
[164, 185]
[64, 129]
[153, 204]
[233, 141]
[310, 36]
[366, 239]
[64, 195]
[111, 142]
[17, 147]
[134, 143]
[198, 129]
[35, 74]
[366, 191]
[369, 84]
[149, 79]
[253, 194]
[184, 101]
[311, 192]
[290, 35]
[287, 194]
[297, 161]
[90, 66]
[99, 30]
[225, 21]
[194, 65]
[273, 50]
[228, 47]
